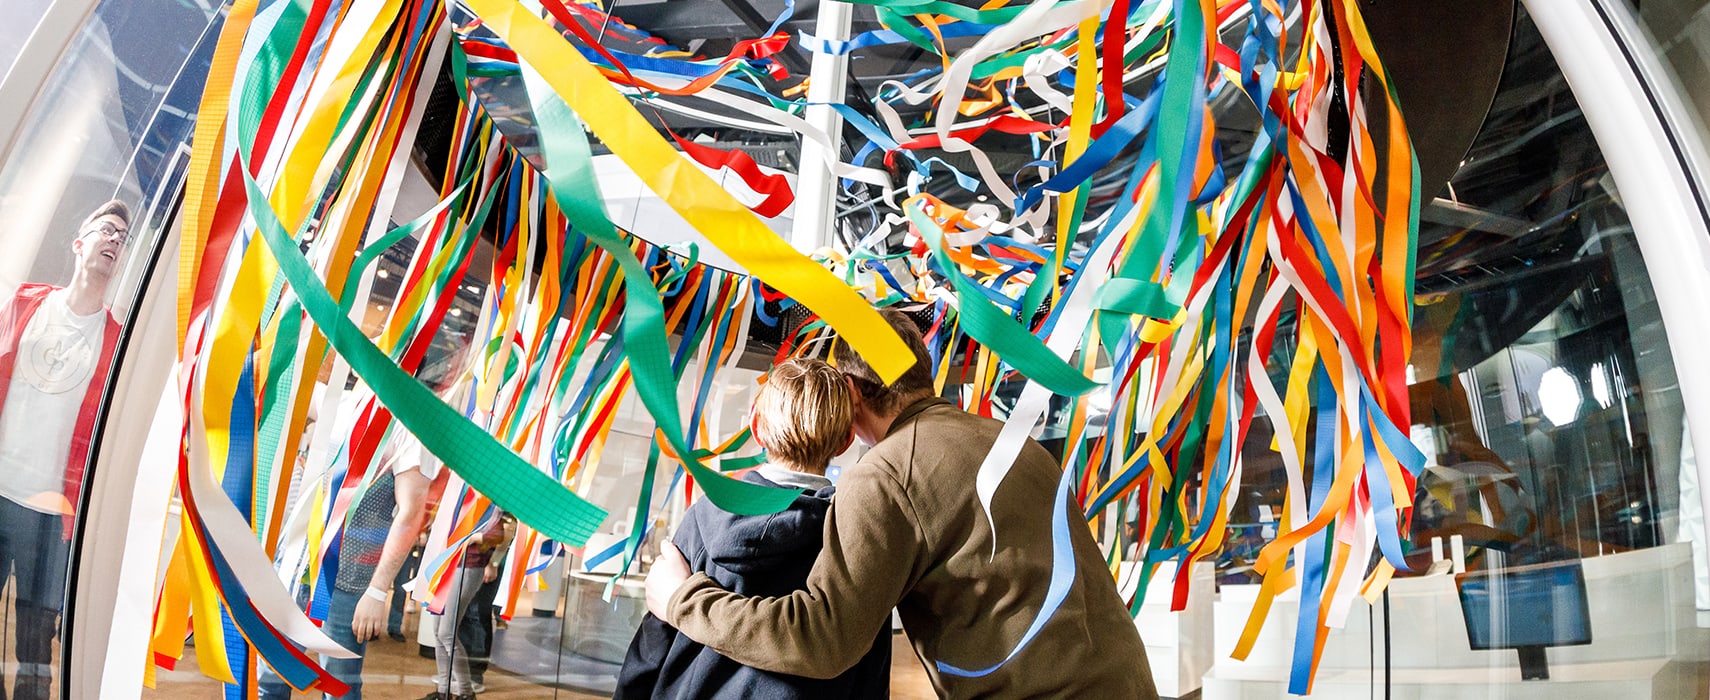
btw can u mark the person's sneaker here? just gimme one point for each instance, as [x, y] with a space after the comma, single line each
[464, 696]
[436, 695]
[476, 686]
[396, 636]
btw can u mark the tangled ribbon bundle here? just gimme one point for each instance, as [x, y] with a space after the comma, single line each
[1129, 263]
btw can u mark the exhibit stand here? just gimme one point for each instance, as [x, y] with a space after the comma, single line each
[597, 628]
[1645, 641]
[1178, 644]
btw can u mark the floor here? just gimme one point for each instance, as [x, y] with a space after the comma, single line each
[526, 664]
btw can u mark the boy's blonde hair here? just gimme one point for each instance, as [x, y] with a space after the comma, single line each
[804, 414]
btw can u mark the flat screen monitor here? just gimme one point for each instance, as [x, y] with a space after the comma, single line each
[1526, 608]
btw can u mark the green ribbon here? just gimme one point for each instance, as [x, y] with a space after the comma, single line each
[280, 368]
[1136, 297]
[488, 467]
[1171, 140]
[995, 328]
[569, 169]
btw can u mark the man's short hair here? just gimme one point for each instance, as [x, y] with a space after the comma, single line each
[804, 413]
[914, 384]
[113, 207]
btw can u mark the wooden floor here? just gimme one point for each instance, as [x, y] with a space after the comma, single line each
[396, 671]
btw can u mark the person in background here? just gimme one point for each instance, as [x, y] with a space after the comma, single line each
[378, 534]
[475, 630]
[803, 417]
[56, 348]
[908, 531]
[401, 597]
[452, 679]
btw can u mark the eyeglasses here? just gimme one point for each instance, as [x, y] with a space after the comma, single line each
[123, 235]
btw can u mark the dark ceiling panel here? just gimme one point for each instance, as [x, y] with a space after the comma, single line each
[681, 21]
[1445, 79]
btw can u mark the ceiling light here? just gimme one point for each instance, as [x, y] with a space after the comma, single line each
[1558, 393]
[457, 312]
[383, 274]
[1600, 389]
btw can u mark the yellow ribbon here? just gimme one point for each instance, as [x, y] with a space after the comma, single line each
[729, 225]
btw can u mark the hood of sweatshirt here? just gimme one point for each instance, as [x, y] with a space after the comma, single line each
[743, 544]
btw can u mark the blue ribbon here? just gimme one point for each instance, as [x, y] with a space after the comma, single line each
[1100, 153]
[1312, 586]
[1062, 579]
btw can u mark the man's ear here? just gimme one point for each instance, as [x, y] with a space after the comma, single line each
[855, 394]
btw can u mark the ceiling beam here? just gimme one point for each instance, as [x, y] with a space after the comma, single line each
[757, 23]
[1461, 216]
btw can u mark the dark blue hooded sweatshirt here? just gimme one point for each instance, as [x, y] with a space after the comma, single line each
[761, 555]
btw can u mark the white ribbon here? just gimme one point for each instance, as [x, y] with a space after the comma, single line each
[1035, 398]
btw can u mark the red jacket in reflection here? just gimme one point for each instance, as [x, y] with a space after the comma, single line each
[14, 318]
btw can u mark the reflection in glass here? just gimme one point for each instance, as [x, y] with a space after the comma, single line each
[110, 124]
[1545, 400]
[1678, 31]
[56, 347]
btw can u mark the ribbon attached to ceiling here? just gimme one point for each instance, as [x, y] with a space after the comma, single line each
[726, 223]
[1165, 289]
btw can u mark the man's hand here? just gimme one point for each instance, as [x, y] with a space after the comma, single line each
[669, 572]
[369, 620]
[490, 575]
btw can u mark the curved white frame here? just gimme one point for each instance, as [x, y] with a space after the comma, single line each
[1640, 125]
[123, 512]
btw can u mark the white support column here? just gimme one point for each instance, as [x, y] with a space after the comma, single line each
[816, 189]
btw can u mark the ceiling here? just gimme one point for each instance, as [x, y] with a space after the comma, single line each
[1483, 127]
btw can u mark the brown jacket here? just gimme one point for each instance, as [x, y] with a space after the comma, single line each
[906, 530]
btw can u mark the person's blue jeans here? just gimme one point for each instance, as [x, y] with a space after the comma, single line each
[475, 630]
[341, 609]
[33, 553]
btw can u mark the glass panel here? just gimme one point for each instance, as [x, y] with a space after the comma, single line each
[1545, 400]
[20, 18]
[1544, 396]
[1679, 32]
[110, 124]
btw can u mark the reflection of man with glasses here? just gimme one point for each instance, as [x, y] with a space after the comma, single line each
[55, 347]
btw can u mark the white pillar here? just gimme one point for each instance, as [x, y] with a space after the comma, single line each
[816, 189]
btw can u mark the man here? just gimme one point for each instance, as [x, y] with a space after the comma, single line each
[906, 530]
[378, 535]
[475, 629]
[56, 347]
[453, 677]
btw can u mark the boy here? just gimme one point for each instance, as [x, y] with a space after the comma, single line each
[803, 416]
